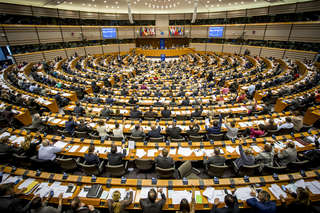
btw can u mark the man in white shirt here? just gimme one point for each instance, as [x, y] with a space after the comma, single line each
[47, 151]
[118, 131]
[287, 125]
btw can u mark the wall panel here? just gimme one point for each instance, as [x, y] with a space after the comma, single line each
[88, 15]
[199, 32]
[233, 31]
[255, 32]
[79, 50]
[254, 50]
[198, 46]
[272, 52]
[19, 35]
[72, 33]
[281, 9]
[229, 48]
[94, 50]
[50, 55]
[29, 57]
[3, 40]
[218, 15]
[214, 47]
[91, 33]
[15, 9]
[42, 11]
[236, 13]
[278, 32]
[126, 32]
[308, 6]
[110, 48]
[107, 16]
[305, 33]
[300, 55]
[263, 11]
[49, 34]
[69, 14]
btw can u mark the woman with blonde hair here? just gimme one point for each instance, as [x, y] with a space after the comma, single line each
[102, 130]
[29, 148]
[246, 157]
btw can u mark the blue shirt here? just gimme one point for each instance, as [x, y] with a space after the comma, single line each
[266, 207]
[215, 129]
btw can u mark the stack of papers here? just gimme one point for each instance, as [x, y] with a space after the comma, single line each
[243, 193]
[208, 152]
[198, 152]
[5, 134]
[12, 179]
[177, 196]
[151, 152]
[74, 148]
[60, 144]
[145, 190]
[84, 149]
[184, 151]
[173, 151]
[314, 187]
[230, 149]
[212, 194]
[277, 191]
[140, 153]
[43, 189]
[4, 177]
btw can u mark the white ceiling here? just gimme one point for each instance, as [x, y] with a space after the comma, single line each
[151, 6]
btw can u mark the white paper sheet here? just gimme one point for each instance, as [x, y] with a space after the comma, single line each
[140, 153]
[243, 193]
[84, 149]
[74, 148]
[60, 144]
[277, 191]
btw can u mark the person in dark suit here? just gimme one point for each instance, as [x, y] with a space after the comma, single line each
[4, 145]
[216, 128]
[78, 110]
[185, 102]
[166, 113]
[164, 161]
[71, 125]
[174, 131]
[114, 157]
[197, 112]
[155, 132]
[91, 158]
[150, 113]
[231, 202]
[83, 127]
[216, 160]
[263, 203]
[135, 113]
[149, 205]
[194, 128]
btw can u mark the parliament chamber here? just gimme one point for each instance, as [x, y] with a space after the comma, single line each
[159, 106]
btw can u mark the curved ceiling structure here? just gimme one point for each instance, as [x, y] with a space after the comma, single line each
[152, 6]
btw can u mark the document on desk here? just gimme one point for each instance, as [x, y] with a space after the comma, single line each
[144, 192]
[151, 152]
[314, 187]
[26, 183]
[256, 149]
[198, 152]
[55, 121]
[243, 193]
[18, 140]
[277, 191]
[173, 151]
[4, 177]
[74, 148]
[220, 194]
[60, 144]
[104, 195]
[300, 183]
[209, 193]
[230, 149]
[177, 196]
[84, 149]
[13, 179]
[5, 134]
[140, 153]
[43, 190]
[208, 152]
[84, 191]
[184, 151]
[100, 149]
[298, 144]
[92, 125]
[131, 144]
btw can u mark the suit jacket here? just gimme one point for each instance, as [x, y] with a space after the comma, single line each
[137, 133]
[164, 162]
[115, 158]
[135, 114]
[288, 155]
[166, 113]
[149, 207]
[266, 207]
[193, 130]
[173, 132]
[155, 133]
[216, 160]
[150, 114]
[70, 126]
[235, 209]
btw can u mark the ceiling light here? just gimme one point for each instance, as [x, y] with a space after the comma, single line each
[220, 0]
[93, 0]
[107, 6]
[89, 5]
[218, 5]
[118, 7]
[70, 2]
[105, 1]
[95, 5]
[83, 4]
[189, 2]
[208, 2]
[229, 3]
[236, 3]
[242, 2]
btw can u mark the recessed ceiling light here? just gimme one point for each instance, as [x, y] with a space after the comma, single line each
[107, 6]
[70, 2]
[83, 4]
[229, 3]
[218, 5]
[220, 0]
[95, 5]
[89, 5]
[236, 3]
[105, 1]
[118, 7]
[93, 0]
[189, 2]
[208, 2]
[242, 2]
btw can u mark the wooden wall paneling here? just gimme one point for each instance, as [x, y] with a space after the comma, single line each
[88, 15]
[254, 32]
[91, 33]
[46, 12]
[278, 32]
[262, 11]
[29, 57]
[49, 34]
[50, 55]
[198, 46]
[15, 9]
[93, 50]
[199, 32]
[233, 31]
[110, 48]
[217, 15]
[229, 48]
[254, 50]
[126, 32]
[69, 14]
[80, 51]
[236, 13]
[308, 6]
[281, 9]
[214, 47]
[21, 35]
[3, 39]
[272, 52]
[305, 32]
[71, 33]
[300, 55]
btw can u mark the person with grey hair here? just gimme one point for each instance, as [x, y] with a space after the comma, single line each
[47, 151]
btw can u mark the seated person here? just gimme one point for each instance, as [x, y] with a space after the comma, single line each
[150, 204]
[105, 112]
[266, 157]
[79, 207]
[118, 131]
[83, 127]
[135, 113]
[288, 155]
[174, 131]
[102, 129]
[263, 205]
[164, 161]
[70, 125]
[165, 113]
[246, 157]
[155, 132]
[150, 113]
[90, 113]
[27, 148]
[185, 102]
[137, 131]
[114, 157]
[92, 158]
[194, 128]
[286, 125]
[37, 122]
[78, 110]
[297, 121]
[5, 147]
[255, 133]
[216, 159]
[117, 206]
[232, 132]
[47, 151]
[269, 125]
[196, 113]
[231, 202]
[216, 128]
